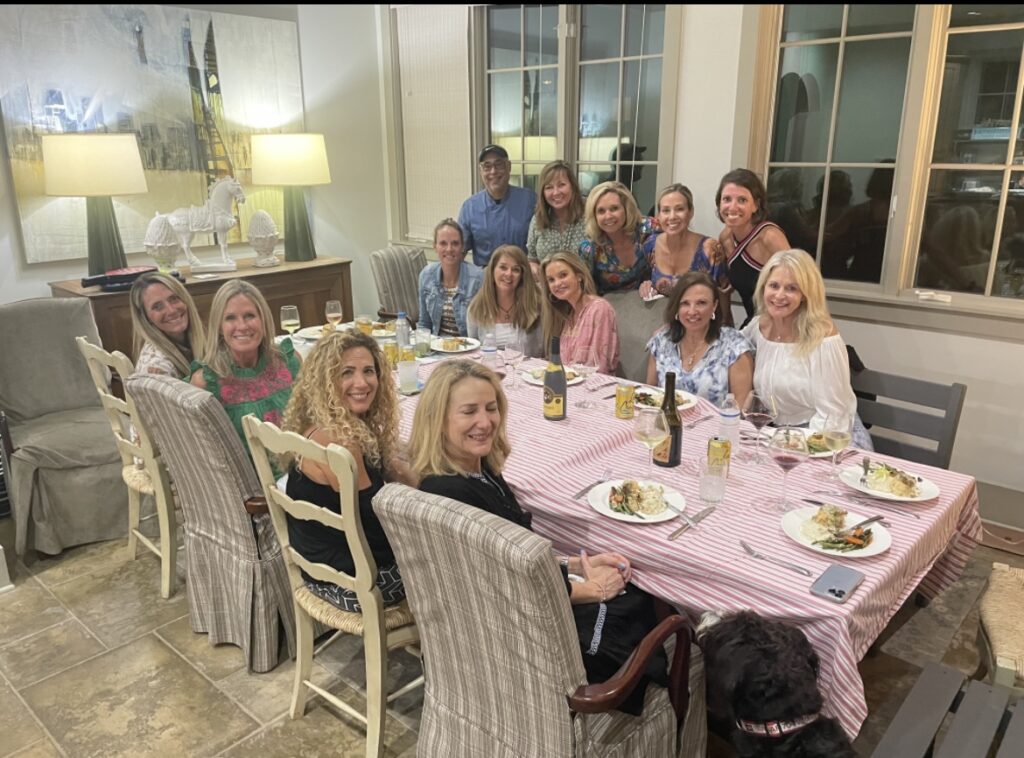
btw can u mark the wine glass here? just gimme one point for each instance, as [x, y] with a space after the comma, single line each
[585, 363]
[333, 312]
[788, 447]
[513, 352]
[290, 318]
[759, 410]
[650, 428]
[836, 432]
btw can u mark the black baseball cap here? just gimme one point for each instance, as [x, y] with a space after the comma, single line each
[627, 152]
[496, 149]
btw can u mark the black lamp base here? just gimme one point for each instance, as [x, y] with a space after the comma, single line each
[106, 250]
[298, 239]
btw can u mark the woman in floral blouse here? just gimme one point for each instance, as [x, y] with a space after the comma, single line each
[617, 233]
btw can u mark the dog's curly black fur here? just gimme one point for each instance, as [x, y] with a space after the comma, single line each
[760, 670]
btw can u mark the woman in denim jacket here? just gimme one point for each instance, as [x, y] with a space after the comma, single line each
[448, 286]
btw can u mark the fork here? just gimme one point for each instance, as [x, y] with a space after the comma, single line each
[604, 478]
[691, 424]
[762, 557]
[868, 502]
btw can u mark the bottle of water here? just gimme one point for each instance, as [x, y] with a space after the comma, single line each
[490, 341]
[489, 351]
[402, 334]
[729, 421]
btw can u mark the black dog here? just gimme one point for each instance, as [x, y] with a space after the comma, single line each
[762, 683]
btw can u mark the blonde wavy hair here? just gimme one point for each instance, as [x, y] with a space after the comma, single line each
[633, 215]
[429, 448]
[316, 401]
[216, 354]
[526, 309]
[813, 321]
[554, 312]
[144, 331]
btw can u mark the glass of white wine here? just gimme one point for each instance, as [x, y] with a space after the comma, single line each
[650, 428]
[513, 352]
[837, 437]
[333, 312]
[585, 363]
[290, 318]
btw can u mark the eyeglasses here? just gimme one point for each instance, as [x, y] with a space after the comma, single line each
[492, 166]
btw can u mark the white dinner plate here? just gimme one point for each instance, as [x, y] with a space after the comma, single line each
[466, 344]
[598, 499]
[538, 381]
[793, 521]
[850, 476]
[684, 400]
[316, 332]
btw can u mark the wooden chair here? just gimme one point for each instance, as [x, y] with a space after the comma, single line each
[150, 477]
[982, 719]
[880, 414]
[396, 270]
[382, 629]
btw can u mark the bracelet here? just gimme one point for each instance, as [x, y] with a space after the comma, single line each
[564, 562]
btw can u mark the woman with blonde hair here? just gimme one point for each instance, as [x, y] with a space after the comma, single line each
[800, 357]
[166, 328]
[508, 303]
[346, 396]
[459, 447]
[616, 231]
[241, 365]
[572, 311]
[558, 222]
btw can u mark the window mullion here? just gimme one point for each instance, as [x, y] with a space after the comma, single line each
[568, 82]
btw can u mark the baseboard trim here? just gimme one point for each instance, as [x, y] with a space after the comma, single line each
[1003, 537]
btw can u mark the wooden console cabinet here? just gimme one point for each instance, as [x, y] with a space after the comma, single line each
[306, 284]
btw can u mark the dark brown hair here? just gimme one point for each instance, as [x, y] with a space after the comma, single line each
[676, 330]
[744, 177]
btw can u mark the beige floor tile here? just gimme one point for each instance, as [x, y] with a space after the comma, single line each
[215, 661]
[141, 699]
[269, 695]
[17, 727]
[47, 652]
[27, 609]
[76, 562]
[122, 601]
[41, 749]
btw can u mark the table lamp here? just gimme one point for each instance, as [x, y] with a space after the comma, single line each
[96, 167]
[292, 161]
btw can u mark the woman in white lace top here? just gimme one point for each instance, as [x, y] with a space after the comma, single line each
[166, 326]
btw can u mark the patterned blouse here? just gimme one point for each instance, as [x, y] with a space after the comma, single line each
[153, 361]
[596, 326]
[449, 326]
[609, 273]
[719, 272]
[540, 243]
[710, 377]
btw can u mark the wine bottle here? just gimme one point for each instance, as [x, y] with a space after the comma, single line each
[554, 385]
[668, 452]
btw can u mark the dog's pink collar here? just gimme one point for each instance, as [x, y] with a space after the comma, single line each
[775, 728]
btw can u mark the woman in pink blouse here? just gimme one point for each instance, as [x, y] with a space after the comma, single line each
[573, 311]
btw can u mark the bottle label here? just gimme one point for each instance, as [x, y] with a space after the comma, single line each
[554, 405]
[661, 452]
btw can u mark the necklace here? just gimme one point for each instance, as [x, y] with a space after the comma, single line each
[505, 313]
[690, 361]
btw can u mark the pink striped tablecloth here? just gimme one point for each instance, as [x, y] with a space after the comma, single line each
[706, 569]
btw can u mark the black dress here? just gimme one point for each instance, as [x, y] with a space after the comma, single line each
[625, 620]
[744, 269]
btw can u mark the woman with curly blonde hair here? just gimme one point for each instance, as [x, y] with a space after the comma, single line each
[346, 396]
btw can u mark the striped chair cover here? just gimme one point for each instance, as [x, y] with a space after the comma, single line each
[499, 643]
[236, 580]
[396, 269]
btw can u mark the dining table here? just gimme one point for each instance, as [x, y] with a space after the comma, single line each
[706, 568]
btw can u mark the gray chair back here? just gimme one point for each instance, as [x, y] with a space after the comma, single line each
[396, 270]
[883, 414]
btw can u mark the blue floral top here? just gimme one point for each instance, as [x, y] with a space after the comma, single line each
[608, 272]
[719, 272]
[710, 377]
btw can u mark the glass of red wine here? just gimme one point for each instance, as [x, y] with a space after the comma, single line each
[788, 448]
[759, 410]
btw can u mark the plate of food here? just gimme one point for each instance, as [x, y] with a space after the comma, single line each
[819, 529]
[536, 377]
[454, 344]
[316, 332]
[816, 446]
[885, 481]
[653, 398]
[638, 502]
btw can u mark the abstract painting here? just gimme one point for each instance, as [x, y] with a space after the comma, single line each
[193, 85]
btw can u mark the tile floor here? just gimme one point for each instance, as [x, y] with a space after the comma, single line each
[93, 662]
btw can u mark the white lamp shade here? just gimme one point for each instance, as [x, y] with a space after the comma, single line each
[92, 165]
[289, 160]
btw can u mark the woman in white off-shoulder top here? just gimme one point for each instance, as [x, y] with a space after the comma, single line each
[801, 358]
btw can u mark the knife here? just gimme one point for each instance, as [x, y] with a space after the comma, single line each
[695, 519]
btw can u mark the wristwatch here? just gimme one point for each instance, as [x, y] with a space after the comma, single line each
[564, 562]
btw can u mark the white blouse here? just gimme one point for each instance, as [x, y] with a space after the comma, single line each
[807, 388]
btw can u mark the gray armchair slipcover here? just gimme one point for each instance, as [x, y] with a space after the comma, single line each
[396, 271]
[65, 470]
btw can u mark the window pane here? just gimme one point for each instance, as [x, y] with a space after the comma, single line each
[871, 100]
[856, 224]
[977, 15]
[541, 34]
[803, 22]
[590, 175]
[959, 225]
[641, 184]
[791, 204]
[879, 19]
[530, 173]
[602, 32]
[599, 106]
[503, 36]
[641, 109]
[645, 27]
[507, 111]
[805, 90]
[1009, 277]
[973, 126]
[541, 114]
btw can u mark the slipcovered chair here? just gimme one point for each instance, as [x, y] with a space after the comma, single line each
[504, 672]
[638, 321]
[150, 476]
[382, 629]
[236, 581]
[59, 453]
[396, 270]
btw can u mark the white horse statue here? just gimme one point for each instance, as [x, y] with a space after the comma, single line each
[214, 216]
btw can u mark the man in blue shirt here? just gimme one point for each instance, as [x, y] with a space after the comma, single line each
[499, 214]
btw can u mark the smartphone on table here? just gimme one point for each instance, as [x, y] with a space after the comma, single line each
[837, 583]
